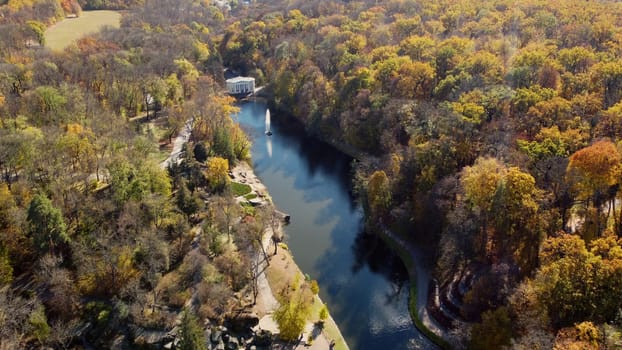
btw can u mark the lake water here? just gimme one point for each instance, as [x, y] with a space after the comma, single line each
[364, 284]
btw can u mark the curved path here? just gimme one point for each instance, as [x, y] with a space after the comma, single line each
[421, 276]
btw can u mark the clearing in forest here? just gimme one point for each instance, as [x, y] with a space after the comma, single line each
[68, 30]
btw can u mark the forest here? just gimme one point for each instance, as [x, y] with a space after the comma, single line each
[101, 244]
[489, 130]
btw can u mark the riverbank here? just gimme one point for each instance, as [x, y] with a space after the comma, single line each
[282, 269]
[411, 257]
[419, 289]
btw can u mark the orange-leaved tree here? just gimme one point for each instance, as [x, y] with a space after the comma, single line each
[594, 173]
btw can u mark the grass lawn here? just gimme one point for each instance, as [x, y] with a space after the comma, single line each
[250, 196]
[239, 189]
[68, 30]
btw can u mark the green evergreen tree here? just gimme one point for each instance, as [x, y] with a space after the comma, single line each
[46, 224]
[222, 145]
[187, 202]
[191, 334]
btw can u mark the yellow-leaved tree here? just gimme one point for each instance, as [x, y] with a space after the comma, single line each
[293, 312]
[217, 173]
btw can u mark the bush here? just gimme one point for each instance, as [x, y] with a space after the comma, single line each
[315, 287]
[323, 315]
[39, 324]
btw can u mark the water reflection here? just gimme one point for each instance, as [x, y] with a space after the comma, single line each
[363, 283]
[269, 146]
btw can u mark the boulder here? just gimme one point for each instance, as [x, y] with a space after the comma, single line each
[263, 338]
[120, 343]
[232, 344]
[215, 336]
[208, 334]
[242, 322]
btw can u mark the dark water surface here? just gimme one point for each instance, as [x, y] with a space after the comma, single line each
[363, 283]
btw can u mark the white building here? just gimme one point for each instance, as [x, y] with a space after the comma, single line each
[240, 85]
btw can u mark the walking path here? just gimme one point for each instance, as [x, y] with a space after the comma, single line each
[266, 302]
[178, 144]
[421, 277]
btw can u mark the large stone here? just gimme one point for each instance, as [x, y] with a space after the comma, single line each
[263, 338]
[256, 201]
[150, 338]
[242, 322]
[232, 344]
[208, 334]
[215, 336]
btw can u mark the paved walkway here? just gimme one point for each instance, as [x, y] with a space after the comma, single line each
[422, 278]
[265, 297]
[182, 138]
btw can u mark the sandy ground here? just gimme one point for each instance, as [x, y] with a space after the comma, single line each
[281, 264]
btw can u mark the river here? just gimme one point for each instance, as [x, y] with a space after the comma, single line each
[364, 284]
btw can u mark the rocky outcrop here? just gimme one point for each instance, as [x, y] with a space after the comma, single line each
[241, 321]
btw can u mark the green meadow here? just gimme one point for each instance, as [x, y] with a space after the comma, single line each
[68, 30]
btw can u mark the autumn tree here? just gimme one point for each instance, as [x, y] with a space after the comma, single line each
[107, 272]
[608, 76]
[226, 210]
[518, 226]
[494, 332]
[480, 183]
[378, 194]
[217, 173]
[6, 270]
[576, 284]
[292, 314]
[594, 172]
[136, 182]
[189, 203]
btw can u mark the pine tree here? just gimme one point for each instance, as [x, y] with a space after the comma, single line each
[47, 226]
[191, 334]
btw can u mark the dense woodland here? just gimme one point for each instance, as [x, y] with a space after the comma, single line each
[488, 129]
[99, 245]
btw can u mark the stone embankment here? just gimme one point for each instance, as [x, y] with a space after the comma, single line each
[266, 301]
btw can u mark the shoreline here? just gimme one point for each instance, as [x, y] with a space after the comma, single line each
[418, 294]
[419, 281]
[267, 303]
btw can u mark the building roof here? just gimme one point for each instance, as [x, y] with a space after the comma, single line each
[240, 79]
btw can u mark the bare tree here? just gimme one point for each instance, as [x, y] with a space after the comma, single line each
[227, 211]
[63, 333]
